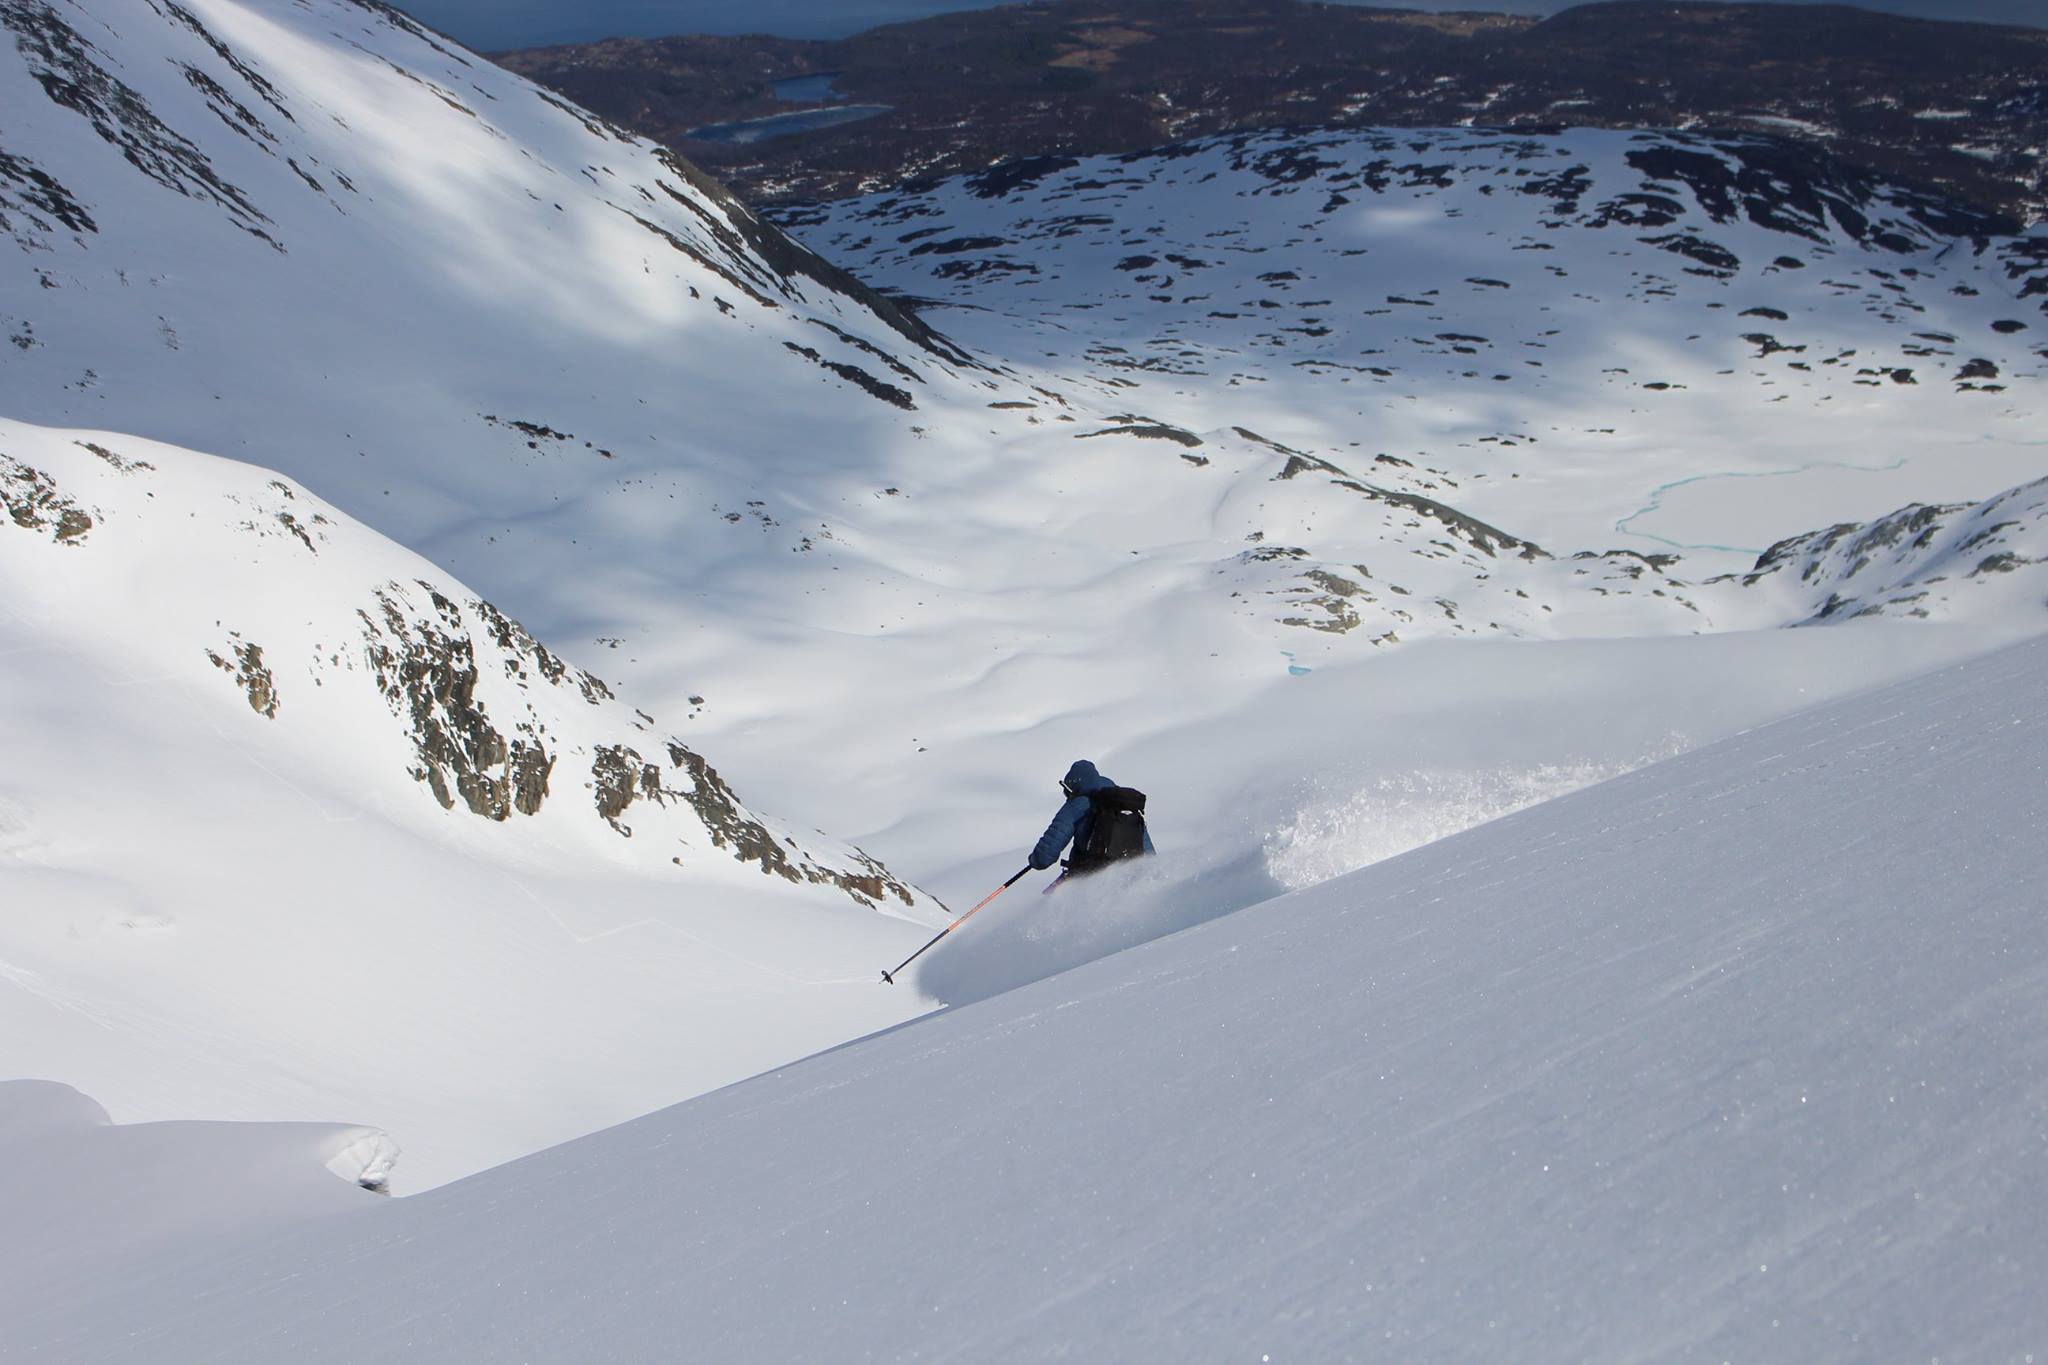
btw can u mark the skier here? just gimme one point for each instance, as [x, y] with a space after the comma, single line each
[1105, 822]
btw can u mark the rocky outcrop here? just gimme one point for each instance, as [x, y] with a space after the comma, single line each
[1950, 562]
[621, 777]
[32, 502]
[426, 667]
[251, 674]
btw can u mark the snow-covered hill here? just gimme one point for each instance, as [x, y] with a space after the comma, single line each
[1151, 500]
[294, 824]
[1977, 560]
[1741, 1056]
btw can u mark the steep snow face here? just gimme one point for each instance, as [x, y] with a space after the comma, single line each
[1741, 1056]
[317, 237]
[295, 824]
[1661, 341]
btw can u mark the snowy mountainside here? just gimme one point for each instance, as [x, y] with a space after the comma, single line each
[892, 584]
[323, 626]
[1739, 1056]
[317, 237]
[1596, 339]
[557, 362]
[296, 825]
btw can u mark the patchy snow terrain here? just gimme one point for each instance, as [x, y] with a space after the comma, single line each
[1652, 341]
[1740, 1056]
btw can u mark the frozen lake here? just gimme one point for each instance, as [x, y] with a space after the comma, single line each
[783, 125]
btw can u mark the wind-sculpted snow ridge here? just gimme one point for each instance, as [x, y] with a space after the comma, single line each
[82, 1191]
[1976, 561]
[1740, 1056]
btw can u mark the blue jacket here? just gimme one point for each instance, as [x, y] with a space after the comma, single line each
[1074, 818]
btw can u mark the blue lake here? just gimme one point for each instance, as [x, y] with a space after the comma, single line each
[782, 125]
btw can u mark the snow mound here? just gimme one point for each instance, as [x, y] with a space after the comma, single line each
[81, 1191]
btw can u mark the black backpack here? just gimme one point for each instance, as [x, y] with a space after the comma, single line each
[1116, 830]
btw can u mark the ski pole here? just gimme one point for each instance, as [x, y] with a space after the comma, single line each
[890, 977]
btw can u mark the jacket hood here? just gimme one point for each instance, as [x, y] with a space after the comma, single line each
[1083, 777]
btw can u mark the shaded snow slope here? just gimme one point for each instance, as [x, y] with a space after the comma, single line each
[1741, 1055]
[1658, 341]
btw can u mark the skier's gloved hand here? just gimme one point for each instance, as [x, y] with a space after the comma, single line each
[1037, 866]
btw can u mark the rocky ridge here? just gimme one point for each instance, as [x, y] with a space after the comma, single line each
[339, 632]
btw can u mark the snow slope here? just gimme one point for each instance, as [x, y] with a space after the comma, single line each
[293, 824]
[888, 587]
[1740, 1056]
[79, 1189]
[1654, 340]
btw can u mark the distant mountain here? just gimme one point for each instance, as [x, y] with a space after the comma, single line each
[1921, 561]
[1961, 106]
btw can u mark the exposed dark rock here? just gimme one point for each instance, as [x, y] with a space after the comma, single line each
[36, 202]
[252, 675]
[620, 777]
[33, 503]
[731, 826]
[854, 374]
[955, 245]
[61, 61]
[426, 668]
[1145, 429]
[1008, 177]
[1489, 540]
[124, 465]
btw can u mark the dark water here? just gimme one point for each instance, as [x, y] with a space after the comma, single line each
[494, 25]
[782, 125]
[808, 89]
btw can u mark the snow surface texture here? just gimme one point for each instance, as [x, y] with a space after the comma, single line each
[1742, 1056]
[889, 588]
[80, 1191]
